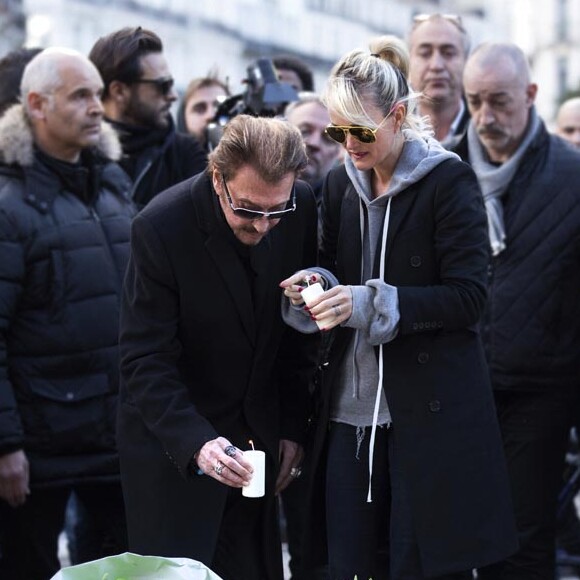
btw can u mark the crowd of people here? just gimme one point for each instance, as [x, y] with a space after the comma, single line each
[414, 415]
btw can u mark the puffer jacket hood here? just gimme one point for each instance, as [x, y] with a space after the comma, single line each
[17, 139]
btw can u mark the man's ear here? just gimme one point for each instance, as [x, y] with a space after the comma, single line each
[215, 179]
[531, 92]
[36, 103]
[119, 92]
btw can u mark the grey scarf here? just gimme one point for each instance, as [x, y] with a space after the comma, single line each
[494, 180]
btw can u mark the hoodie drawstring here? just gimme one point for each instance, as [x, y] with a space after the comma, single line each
[380, 381]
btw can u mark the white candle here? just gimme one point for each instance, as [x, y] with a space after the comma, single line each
[256, 488]
[309, 294]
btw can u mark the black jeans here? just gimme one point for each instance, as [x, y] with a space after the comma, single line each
[535, 429]
[30, 542]
[240, 552]
[372, 540]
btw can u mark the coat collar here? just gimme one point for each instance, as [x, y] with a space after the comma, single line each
[227, 260]
[17, 140]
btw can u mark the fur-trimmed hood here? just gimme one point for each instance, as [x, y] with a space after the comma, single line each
[17, 142]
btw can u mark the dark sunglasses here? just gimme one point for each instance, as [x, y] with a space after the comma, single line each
[363, 134]
[252, 214]
[164, 85]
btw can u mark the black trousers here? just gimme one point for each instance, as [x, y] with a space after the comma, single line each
[370, 540]
[240, 553]
[30, 532]
[535, 430]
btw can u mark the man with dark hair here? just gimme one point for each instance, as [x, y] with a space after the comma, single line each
[65, 218]
[294, 71]
[207, 362]
[531, 325]
[11, 68]
[137, 97]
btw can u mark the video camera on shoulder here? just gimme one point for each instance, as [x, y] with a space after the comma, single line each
[265, 96]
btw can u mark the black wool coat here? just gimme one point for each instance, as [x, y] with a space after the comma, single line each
[201, 358]
[435, 377]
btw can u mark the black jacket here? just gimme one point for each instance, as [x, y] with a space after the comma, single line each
[62, 262]
[205, 354]
[436, 382]
[157, 159]
[531, 328]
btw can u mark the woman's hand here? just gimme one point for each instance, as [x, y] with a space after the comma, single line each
[332, 308]
[294, 285]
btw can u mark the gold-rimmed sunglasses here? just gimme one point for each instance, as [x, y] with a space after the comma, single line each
[361, 133]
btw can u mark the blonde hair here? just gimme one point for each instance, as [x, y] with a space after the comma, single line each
[378, 77]
[273, 147]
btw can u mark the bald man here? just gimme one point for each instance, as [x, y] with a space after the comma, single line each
[65, 219]
[568, 121]
[531, 327]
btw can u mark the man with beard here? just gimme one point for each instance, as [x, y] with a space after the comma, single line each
[137, 97]
[439, 45]
[531, 327]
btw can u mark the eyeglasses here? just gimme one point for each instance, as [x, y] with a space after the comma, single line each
[453, 18]
[363, 134]
[252, 214]
[163, 85]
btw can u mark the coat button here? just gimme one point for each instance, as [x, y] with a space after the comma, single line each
[415, 326]
[423, 358]
[70, 396]
[440, 324]
[434, 406]
[415, 261]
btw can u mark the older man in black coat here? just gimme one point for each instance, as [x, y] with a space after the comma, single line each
[207, 363]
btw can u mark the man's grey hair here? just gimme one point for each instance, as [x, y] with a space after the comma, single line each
[42, 74]
[488, 54]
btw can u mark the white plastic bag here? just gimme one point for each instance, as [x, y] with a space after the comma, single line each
[130, 566]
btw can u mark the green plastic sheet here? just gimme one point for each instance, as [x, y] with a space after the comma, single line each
[130, 566]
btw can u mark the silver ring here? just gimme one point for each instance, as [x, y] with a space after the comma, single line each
[230, 450]
[296, 472]
[219, 467]
[337, 310]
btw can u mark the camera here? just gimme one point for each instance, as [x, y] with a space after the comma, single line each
[265, 96]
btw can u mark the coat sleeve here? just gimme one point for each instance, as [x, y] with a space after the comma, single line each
[12, 273]
[150, 350]
[298, 352]
[461, 251]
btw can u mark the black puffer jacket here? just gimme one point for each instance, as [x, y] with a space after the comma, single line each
[532, 322]
[61, 268]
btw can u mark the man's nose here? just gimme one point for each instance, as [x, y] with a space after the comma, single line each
[262, 225]
[485, 114]
[96, 106]
[171, 95]
[436, 61]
